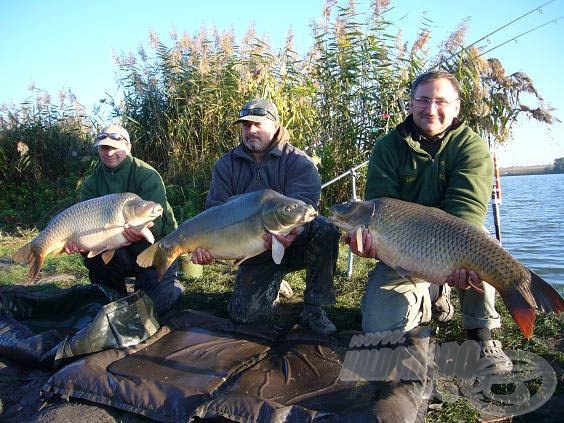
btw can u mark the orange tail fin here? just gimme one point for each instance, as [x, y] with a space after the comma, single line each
[523, 301]
[523, 314]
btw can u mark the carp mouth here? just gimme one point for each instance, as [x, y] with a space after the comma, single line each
[157, 210]
[352, 215]
[335, 220]
[310, 214]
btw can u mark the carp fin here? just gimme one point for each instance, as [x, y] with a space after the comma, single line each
[58, 252]
[547, 298]
[25, 255]
[521, 310]
[358, 234]
[404, 273]
[112, 226]
[522, 302]
[146, 257]
[240, 261]
[107, 256]
[148, 235]
[277, 250]
[94, 253]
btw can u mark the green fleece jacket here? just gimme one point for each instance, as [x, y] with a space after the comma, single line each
[458, 180]
[136, 176]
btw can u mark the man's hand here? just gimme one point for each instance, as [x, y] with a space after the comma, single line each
[71, 247]
[285, 240]
[465, 279]
[368, 248]
[132, 235]
[202, 256]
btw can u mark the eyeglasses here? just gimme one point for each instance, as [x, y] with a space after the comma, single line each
[111, 135]
[424, 102]
[258, 111]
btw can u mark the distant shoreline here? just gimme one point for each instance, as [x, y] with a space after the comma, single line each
[526, 170]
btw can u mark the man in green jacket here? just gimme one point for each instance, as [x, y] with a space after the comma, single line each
[433, 159]
[118, 172]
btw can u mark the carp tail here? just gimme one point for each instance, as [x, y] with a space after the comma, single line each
[156, 255]
[26, 255]
[525, 299]
[547, 298]
[521, 309]
[147, 256]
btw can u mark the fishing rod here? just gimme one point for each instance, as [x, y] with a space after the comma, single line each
[496, 194]
[538, 8]
[522, 34]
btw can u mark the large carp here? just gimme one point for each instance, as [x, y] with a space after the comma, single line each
[95, 225]
[428, 243]
[233, 230]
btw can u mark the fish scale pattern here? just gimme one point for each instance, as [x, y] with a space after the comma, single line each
[432, 243]
[89, 214]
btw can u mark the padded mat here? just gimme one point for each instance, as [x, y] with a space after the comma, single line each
[203, 366]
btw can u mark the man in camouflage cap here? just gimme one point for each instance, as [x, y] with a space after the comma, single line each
[266, 159]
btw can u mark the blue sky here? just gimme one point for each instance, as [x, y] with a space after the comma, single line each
[64, 44]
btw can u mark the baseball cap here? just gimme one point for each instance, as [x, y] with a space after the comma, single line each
[258, 110]
[113, 136]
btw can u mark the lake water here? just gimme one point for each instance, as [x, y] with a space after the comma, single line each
[532, 227]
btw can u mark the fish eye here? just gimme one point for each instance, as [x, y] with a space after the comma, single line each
[288, 209]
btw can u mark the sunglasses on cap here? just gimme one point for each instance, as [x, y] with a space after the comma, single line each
[111, 135]
[258, 111]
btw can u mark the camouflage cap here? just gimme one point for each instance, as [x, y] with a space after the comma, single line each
[258, 110]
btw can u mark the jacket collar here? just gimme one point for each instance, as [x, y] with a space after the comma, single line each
[408, 129]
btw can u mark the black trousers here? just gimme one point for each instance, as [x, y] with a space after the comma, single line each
[123, 264]
[258, 279]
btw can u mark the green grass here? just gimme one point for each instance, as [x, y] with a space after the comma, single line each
[211, 293]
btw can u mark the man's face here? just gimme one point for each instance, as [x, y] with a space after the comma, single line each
[257, 136]
[434, 118]
[110, 156]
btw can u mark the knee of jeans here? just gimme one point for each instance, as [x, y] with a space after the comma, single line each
[390, 311]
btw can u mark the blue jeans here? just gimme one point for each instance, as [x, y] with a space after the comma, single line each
[392, 302]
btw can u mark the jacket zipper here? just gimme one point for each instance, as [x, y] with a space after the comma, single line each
[258, 172]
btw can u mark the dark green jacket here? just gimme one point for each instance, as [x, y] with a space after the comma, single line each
[136, 176]
[458, 180]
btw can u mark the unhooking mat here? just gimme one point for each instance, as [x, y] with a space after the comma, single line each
[199, 365]
[48, 329]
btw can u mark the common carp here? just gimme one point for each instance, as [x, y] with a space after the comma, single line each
[95, 225]
[233, 230]
[428, 243]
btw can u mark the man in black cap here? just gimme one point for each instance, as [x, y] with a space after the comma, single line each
[266, 159]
